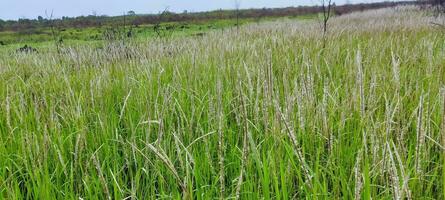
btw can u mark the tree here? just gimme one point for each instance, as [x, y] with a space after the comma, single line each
[55, 32]
[237, 6]
[326, 6]
[131, 13]
[40, 18]
[158, 29]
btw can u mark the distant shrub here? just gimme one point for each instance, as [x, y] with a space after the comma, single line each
[199, 34]
[26, 49]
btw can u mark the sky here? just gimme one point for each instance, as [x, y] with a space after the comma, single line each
[15, 9]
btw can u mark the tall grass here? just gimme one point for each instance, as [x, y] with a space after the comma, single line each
[261, 113]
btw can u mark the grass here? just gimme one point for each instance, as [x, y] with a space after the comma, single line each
[263, 112]
[38, 36]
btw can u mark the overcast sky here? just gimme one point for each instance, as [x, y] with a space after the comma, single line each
[14, 9]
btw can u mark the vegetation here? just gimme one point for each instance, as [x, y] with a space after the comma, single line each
[98, 34]
[270, 111]
[93, 27]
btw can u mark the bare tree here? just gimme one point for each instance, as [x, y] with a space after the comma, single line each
[55, 32]
[128, 32]
[237, 12]
[158, 29]
[326, 6]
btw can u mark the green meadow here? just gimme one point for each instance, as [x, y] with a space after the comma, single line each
[269, 110]
[37, 36]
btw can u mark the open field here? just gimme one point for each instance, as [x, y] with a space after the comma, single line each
[267, 111]
[36, 37]
[96, 27]
[165, 15]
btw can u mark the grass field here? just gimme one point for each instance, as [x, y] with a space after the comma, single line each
[269, 111]
[38, 36]
[96, 33]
